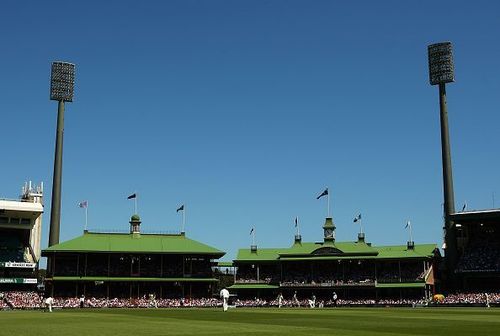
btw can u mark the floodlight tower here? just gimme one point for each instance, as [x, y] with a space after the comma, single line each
[62, 82]
[441, 71]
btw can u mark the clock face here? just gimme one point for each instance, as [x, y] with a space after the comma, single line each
[328, 233]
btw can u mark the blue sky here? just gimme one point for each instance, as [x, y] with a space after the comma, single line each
[246, 110]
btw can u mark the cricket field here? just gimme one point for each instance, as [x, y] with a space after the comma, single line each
[264, 321]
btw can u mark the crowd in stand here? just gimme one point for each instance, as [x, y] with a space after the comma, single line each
[327, 282]
[480, 258]
[452, 299]
[482, 253]
[137, 303]
[31, 300]
[21, 300]
[125, 265]
[472, 298]
[393, 272]
[352, 274]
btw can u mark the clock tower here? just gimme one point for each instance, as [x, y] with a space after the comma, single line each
[329, 231]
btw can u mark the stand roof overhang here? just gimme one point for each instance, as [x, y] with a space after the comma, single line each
[336, 251]
[133, 243]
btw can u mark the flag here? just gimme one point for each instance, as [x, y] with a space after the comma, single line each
[83, 204]
[464, 207]
[296, 221]
[407, 224]
[134, 195]
[357, 218]
[324, 193]
[251, 231]
[181, 208]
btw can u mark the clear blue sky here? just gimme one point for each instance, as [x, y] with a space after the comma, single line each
[246, 110]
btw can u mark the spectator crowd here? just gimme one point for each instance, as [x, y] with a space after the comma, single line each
[31, 300]
[471, 298]
[482, 253]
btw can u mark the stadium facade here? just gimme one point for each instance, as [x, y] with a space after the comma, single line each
[20, 235]
[478, 250]
[131, 265]
[353, 270]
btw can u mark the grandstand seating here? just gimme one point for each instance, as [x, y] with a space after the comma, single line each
[11, 248]
[478, 250]
[32, 300]
[482, 256]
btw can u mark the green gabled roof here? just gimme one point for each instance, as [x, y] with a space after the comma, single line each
[302, 250]
[350, 250]
[261, 254]
[401, 251]
[143, 243]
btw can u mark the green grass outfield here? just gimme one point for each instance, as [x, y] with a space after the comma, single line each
[241, 321]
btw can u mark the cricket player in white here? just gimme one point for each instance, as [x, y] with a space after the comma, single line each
[48, 303]
[312, 301]
[280, 300]
[224, 294]
[295, 299]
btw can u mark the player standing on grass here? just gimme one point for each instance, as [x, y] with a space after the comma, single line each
[82, 301]
[280, 300]
[224, 294]
[295, 300]
[312, 301]
[48, 304]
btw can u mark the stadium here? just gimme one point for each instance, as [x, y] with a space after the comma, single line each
[113, 275]
[133, 269]
[132, 280]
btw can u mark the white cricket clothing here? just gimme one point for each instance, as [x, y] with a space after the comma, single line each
[224, 294]
[49, 302]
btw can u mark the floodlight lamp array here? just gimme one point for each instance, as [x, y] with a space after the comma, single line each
[441, 69]
[62, 81]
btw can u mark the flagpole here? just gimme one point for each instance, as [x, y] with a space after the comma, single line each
[328, 203]
[184, 219]
[298, 227]
[135, 203]
[360, 226]
[86, 216]
[411, 233]
[409, 227]
[253, 237]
